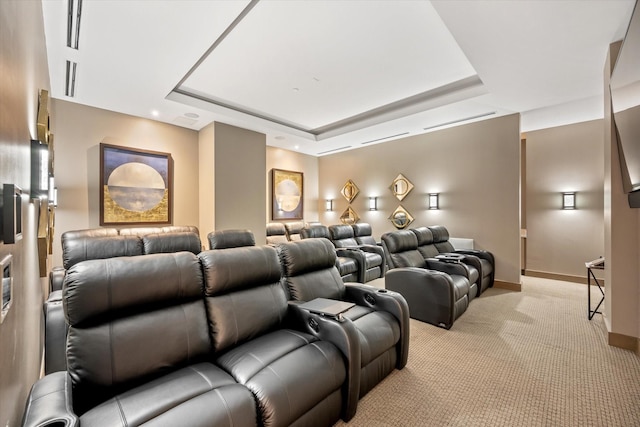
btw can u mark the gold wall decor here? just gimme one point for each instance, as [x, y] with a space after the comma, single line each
[401, 218]
[401, 186]
[350, 190]
[42, 120]
[287, 194]
[136, 186]
[349, 216]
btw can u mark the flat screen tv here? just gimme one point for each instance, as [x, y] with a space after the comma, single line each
[625, 98]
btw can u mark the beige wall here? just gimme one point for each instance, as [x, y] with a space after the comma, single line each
[474, 167]
[206, 181]
[23, 65]
[621, 236]
[80, 129]
[566, 158]
[278, 158]
[240, 159]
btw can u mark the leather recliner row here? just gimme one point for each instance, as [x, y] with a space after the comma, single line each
[180, 339]
[357, 261]
[281, 232]
[100, 243]
[437, 281]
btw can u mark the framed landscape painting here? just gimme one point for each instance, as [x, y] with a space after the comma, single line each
[287, 194]
[135, 186]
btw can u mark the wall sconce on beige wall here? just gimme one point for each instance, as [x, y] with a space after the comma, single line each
[569, 200]
[434, 201]
[373, 203]
[328, 205]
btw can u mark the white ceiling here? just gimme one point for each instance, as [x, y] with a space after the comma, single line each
[322, 76]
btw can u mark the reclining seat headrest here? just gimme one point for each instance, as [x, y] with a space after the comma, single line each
[402, 249]
[440, 233]
[77, 248]
[276, 229]
[361, 229]
[425, 242]
[172, 241]
[226, 239]
[181, 228]
[309, 268]
[293, 229]
[441, 238]
[315, 231]
[244, 295]
[342, 236]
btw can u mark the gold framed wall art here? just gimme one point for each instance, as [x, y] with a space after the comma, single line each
[287, 190]
[136, 186]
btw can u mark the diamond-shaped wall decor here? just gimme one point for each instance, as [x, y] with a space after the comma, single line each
[400, 218]
[350, 190]
[401, 186]
[349, 216]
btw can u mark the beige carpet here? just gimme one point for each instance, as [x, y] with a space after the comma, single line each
[529, 358]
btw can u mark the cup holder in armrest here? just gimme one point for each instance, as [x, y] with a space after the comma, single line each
[450, 257]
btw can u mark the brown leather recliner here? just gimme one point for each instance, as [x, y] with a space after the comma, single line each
[483, 261]
[381, 317]
[232, 238]
[370, 257]
[276, 233]
[346, 261]
[433, 296]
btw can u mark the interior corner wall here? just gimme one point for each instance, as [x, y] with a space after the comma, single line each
[240, 180]
[566, 158]
[622, 231]
[474, 167]
[24, 72]
[278, 158]
[207, 181]
[79, 130]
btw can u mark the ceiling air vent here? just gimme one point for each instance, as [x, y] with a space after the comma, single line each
[386, 137]
[70, 83]
[74, 11]
[460, 120]
[335, 149]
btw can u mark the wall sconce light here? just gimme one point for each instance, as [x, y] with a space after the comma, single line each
[39, 169]
[52, 186]
[373, 203]
[569, 200]
[433, 201]
[328, 205]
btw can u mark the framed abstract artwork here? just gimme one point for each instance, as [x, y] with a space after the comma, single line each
[287, 194]
[136, 186]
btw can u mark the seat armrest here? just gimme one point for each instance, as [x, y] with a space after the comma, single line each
[55, 334]
[384, 300]
[50, 403]
[479, 253]
[431, 293]
[376, 250]
[450, 257]
[56, 278]
[450, 268]
[343, 334]
[356, 254]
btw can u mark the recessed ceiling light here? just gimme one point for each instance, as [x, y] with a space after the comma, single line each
[296, 147]
[296, 89]
[192, 115]
[279, 137]
[155, 113]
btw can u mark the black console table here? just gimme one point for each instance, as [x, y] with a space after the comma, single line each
[596, 264]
